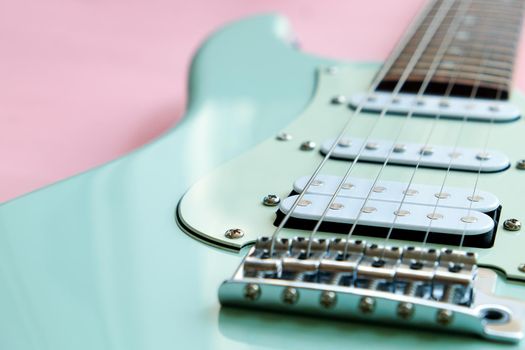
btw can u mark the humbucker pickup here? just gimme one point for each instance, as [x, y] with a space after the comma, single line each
[433, 106]
[428, 288]
[440, 157]
[449, 216]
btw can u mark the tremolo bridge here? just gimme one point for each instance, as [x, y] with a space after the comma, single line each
[352, 279]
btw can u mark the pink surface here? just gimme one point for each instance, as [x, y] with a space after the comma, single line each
[84, 82]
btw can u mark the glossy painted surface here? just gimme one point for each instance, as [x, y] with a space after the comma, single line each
[98, 262]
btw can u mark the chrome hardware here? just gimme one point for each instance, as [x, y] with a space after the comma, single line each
[352, 279]
[512, 225]
[339, 100]
[307, 146]
[234, 233]
[284, 136]
[520, 164]
[521, 268]
[271, 200]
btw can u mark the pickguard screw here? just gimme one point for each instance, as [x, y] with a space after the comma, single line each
[332, 70]
[512, 225]
[252, 292]
[520, 164]
[271, 200]
[405, 310]
[367, 305]
[521, 268]
[339, 100]
[290, 296]
[444, 317]
[328, 299]
[234, 233]
[307, 146]
[283, 136]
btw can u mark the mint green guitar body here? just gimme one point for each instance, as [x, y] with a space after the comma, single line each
[99, 261]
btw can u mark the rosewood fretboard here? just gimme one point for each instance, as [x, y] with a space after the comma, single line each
[480, 54]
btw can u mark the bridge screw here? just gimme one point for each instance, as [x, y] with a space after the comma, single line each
[284, 136]
[444, 317]
[252, 292]
[339, 100]
[290, 296]
[521, 164]
[405, 310]
[521, 268]
[367, 305]
[512, 225]
[328, 299]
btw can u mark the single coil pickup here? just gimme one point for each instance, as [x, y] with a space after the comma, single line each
[433, 106]
[410, 222]
[412, 154]
[395, 191]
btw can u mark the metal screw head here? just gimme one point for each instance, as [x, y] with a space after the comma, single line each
[271, 200]
[332, 70]
[283, 136]
[339, 100]
[307, 146]
[444, 317]
[483, 156]
[521, 268]
[520, 164]
[367, 305]
[328, 299]
[252, 291]
[512, 225]
[290, 296]
[405, 310]
[234, 233]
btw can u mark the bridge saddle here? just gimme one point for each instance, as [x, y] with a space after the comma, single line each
[352, 279]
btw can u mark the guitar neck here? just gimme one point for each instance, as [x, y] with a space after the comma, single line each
[478, 60]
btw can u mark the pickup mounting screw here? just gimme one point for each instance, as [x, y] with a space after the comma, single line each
[283, 136]
[252, 291]
[444, 317]
[521, 268]
[520, 164]
[234, 233]
[367, 305]
[328, 299]
[307, 146]
[271, 200]
[512, 225]
[339, 100]
[405, 310]
[290, 296]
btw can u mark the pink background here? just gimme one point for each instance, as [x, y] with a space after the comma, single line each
[83, 82]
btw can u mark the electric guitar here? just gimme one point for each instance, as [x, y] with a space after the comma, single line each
[301, 203]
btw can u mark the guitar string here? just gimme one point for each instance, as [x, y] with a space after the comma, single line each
[434, 65]
[456, 144]
[450, 85]
[379, 77]
[490, 128]
[423, 45]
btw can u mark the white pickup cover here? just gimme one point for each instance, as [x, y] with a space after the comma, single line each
[393, 191]
[382, 214]
[469, 159]
[433, 106]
